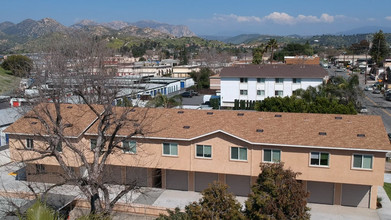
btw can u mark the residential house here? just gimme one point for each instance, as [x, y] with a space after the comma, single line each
[303, 60]
[340, 161]
[257, 82]
[184, 70]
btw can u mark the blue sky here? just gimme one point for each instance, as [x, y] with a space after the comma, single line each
[214, 17]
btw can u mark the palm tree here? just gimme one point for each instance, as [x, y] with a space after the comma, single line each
[272, 44]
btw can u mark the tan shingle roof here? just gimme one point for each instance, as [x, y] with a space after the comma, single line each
[300, 129]
[291, 129]
[76, 117]
[274, 71]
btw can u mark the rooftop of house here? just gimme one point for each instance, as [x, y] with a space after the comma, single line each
[324, 131]
[274, 71]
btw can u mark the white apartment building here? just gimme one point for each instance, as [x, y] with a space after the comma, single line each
[256, 82]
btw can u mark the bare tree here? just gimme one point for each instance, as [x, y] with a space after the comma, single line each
[78, 70]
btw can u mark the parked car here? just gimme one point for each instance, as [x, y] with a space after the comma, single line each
[388, 96]
[363, 109]
[187, 94]
[194, 93]
[376, 91]
[368, 88]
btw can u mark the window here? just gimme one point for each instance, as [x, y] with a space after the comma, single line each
[243, 80]
[278, 93]
[59, 146]
[204, 151]
[296, 80]
[238, 153]
[319, 159]
[40, 168]
[362, 161]
[271, 155]
[243, 92]
[93, 144]
[279, 80]
[129, 147]
[170, 149]
[29, 143]
[261, 80]
[261, 92]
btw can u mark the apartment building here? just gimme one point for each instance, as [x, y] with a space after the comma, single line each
[340, 158]
[257, 82]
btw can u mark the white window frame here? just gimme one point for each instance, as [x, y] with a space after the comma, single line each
[170, 155]
[261, 90]
[263, 155]
[298, 80]
[203, 155]
[319, 152]
[243, 80]
[279, 79]
[261, 80]
[129, 151]
[230, 153]
[240, 92]
[282, 91]
[362, 161]
[29, 143]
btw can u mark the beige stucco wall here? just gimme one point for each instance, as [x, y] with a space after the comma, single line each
[149, 155]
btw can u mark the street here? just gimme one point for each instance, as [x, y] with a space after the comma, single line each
[375, 103]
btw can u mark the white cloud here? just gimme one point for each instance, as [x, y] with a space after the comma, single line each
[284, 18]
[236, 18]
[388, 18]
[280, 18]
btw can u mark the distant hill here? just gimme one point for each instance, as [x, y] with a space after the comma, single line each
[14, 36]
[365, 30]
[174, 30]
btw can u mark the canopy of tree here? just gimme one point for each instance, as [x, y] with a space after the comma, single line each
[379, 50]
[216, 203]
[201, 78]
[277, 195]
[293, 49]
[19, 65]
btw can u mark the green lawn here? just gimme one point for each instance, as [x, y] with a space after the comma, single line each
[387, 188]
[7, 82]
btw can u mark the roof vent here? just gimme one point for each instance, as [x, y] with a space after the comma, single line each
[260, 130]
[240, 114]
[68, 125]
[278, 116]
[132, 110]
[30, 116]
[69, 106]
[323, 133]
[181, 112]
[209, 113]
[338, 117]
[360, 135]
[186, 127]
[33, 122]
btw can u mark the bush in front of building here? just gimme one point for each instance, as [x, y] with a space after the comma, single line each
[277, 195]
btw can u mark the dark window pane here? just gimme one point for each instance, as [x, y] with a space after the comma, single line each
[208, 151]
[357, 161]
[243, 153]
[234, 153]
[200, 152]
[324, 159]
[267, 155]
[166, 148]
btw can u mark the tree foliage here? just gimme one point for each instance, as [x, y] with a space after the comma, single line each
[164, 101]
[216, 203]
[379, 50]
[294, 49]
[19, 65]
[201, 78]
[277, 195]
[258, 54]
[271, 45]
